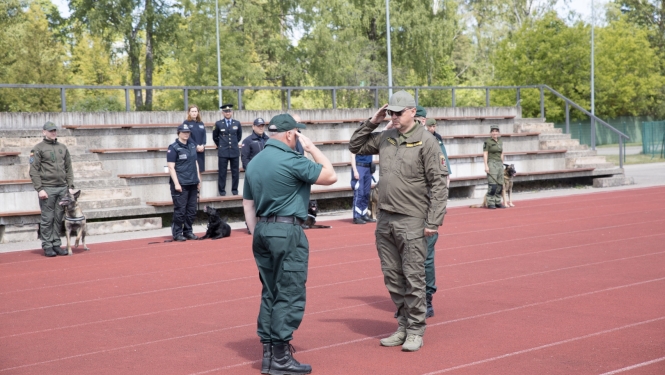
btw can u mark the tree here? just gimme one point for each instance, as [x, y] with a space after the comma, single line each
[144, 26]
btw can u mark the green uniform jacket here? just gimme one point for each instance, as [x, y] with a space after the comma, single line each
[409, 170]
[51, 165]
[494, 149]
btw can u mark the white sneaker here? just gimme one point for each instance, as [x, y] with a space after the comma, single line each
[395, 339]
[412, 343]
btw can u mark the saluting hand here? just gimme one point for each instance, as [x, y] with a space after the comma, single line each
[305, 142]
[380, 115]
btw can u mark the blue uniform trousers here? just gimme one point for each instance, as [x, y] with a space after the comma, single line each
[223, 164]
[361, 189]
[184, 209]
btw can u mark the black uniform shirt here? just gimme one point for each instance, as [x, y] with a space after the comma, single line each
[198, 134]
[251, 146]
[184, 157]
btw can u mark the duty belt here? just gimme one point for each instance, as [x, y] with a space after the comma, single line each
[282, 219]
[366, 165]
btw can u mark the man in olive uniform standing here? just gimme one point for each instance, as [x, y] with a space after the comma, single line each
[493, 157]
[275, 196]
[227, 135]
[411, 166]
[51, 174]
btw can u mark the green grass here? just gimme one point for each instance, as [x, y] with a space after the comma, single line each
[635, 159]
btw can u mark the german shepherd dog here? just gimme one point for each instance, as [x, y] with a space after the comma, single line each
[509, 172]
[74, 220]
[311, 216]
[217, 227]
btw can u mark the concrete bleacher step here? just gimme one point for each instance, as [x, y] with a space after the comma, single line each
[102, 194]
[540, 127]
[29, 142]
[616, 180]
[100, 183]
[108, 203]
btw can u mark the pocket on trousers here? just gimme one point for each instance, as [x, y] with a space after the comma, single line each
[294, 276]
[416, 248]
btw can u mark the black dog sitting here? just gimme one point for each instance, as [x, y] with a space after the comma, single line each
[217, 227]
[311, 216]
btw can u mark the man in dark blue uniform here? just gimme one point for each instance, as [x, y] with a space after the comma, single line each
[185, 183]
[253, 144]
[227, 135]
[361, 183]
[275, 196]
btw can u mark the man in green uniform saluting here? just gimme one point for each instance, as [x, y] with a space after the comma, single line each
[493, 157]
[275, 198]
[412, 203]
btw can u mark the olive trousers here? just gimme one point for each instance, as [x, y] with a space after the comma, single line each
[495, 182]
[50, 224]
[400, 242]
[281, 252]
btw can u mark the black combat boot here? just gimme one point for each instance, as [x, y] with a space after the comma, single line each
[283, 362]
[267, 356]
[430, 309]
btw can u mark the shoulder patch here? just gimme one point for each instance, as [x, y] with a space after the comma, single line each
[168, 151]
[32, 159]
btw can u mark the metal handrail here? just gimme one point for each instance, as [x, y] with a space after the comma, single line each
[593, 118]
[333, 90]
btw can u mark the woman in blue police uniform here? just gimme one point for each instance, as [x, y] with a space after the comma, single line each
[185, 183]
[227, 135]
[361, 183]
[198, 134]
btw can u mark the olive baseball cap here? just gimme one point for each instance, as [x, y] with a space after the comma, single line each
[400, 100]
[284, 123]
[48, 126]
[421, 111]
[493, 127]
[430, 122]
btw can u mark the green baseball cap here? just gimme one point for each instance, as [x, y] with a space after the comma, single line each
[421, 111]
[48, 126]
[430, 122]
[400, 100]
[283, 123]
[492, 127]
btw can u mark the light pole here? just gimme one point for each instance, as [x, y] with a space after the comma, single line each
[390, 63]
[593, 105]
[219, 64]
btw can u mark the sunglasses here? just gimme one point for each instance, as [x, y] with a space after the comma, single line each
[227, 110]
[398, 114]
[51, 131]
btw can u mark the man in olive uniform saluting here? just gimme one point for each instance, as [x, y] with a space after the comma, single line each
[493, 157]
[227, 135]
[51, 174]
[275, 197]
[411, 165]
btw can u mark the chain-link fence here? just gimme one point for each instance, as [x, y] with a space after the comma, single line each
[653, 138]
[631, 126]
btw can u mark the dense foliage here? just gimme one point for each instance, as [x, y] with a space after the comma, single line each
[329, 43]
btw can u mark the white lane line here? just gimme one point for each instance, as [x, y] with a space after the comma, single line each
[349, 281]
[634, 366]
[321, 286]
[455, 321]
[337, 344]
[546, 346]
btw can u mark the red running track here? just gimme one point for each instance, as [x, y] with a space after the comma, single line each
[569, 285]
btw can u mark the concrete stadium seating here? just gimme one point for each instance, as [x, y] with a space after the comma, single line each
[120, 165]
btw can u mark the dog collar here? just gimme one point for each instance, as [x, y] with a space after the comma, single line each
[80, 218]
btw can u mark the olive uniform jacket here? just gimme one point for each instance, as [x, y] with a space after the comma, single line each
[51, 165]
[408, 171]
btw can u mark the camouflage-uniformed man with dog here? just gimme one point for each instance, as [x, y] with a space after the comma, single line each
[493, 157]
[411, 165]
[51, 174]
[275, 197]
